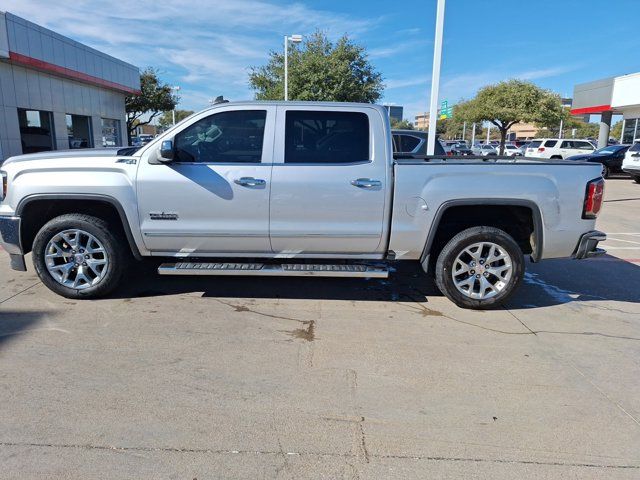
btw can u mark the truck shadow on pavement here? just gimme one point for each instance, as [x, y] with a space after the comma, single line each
[14, 323]
[551, 282]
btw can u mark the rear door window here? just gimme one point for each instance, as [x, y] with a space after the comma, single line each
[408, 143]
[326, 137]
[566, 144]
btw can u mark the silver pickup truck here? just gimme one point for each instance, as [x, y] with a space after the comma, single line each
[295, 188]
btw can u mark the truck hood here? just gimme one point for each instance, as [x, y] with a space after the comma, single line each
[84, 155]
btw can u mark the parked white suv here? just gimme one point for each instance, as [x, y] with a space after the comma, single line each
[631, 162]
[558, 148]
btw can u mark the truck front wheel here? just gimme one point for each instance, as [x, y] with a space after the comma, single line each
[479, 268]
[79, 256]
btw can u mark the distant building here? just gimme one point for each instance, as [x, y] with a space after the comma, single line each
[422, 121]
[56, 93]
[609, 96]
[396, 112]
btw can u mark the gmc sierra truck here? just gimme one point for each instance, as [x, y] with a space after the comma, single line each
[293, 188]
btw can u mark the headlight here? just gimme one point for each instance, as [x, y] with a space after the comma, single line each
[3, 192]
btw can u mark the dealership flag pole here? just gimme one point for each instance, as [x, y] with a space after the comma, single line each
[435, 78]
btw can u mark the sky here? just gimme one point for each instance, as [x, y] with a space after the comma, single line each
[207, 47]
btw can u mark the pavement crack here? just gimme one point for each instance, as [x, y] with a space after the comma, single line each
[209, 451]
[19, 293]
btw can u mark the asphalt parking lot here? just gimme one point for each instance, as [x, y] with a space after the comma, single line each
[329, 378]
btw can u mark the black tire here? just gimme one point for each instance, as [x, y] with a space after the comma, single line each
[605, 171]
[115, 248]
[556, 157]
[636, 178]
[444, 265]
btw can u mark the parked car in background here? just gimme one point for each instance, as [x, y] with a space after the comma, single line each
[293, 189]
[414, 142]
[484, 150]
[523, 148]
[461, 149]
[631, 162]
[609, 157]
[558, 148]
[141, 140]
[511, 150]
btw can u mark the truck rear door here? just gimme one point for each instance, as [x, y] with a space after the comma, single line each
[330, 182]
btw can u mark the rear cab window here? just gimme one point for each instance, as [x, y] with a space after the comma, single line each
[326, 137]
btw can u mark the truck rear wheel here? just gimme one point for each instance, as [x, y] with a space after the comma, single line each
[479, 268]
[78, 256]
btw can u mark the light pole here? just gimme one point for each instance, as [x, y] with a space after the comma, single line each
[287, 39]
[435, 78]
[175, 88]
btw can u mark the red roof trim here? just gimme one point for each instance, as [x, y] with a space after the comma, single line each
[596, 109]
[31, 62]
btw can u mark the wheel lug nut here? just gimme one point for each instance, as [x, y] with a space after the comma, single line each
[478, 275]
[86, 256]
[84, 264]
[473, 272]
[486, 274]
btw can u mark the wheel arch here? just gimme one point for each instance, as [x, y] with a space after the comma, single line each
[59, 204]
[503, 203]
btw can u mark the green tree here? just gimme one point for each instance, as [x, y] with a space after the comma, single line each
[401, 124]
[166, 119]
[320, 70]
[616, 130]
[511, 102]
[155, 97]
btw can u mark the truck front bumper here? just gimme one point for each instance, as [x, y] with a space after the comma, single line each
[588, 245]
[10, 241]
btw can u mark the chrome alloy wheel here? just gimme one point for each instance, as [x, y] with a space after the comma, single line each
[76, 259]
[482, 270]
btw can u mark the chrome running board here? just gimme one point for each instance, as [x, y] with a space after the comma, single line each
[280, 270]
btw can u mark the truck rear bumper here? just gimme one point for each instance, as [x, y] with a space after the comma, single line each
[588, 245]
[10, 241]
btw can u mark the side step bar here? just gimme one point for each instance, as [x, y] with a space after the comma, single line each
[281, 270]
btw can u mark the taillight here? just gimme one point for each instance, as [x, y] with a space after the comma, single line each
[593, 198]
[449, 153]
[541, 149]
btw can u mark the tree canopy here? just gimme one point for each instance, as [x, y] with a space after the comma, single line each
[511, 102]
[319, 70]
[155, 97]
[166, 119]
[401, 124]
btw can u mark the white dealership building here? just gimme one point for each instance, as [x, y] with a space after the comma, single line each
[608, 97]
[56, 93]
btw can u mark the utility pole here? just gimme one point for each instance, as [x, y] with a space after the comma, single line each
[435, 77]
[287, 39]
[464, 131]
[560, 131]
[473, 134]
[488, 131]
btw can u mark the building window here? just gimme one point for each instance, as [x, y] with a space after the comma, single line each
[631, 130]
[79, 131]
[111, 133]
[36, 130]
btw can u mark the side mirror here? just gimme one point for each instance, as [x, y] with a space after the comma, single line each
[167, 152]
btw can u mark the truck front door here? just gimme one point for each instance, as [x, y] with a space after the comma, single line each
[329, 188]
[214, 197]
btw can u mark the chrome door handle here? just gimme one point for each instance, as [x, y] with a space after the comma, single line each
[366, 183]
[250, 182]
